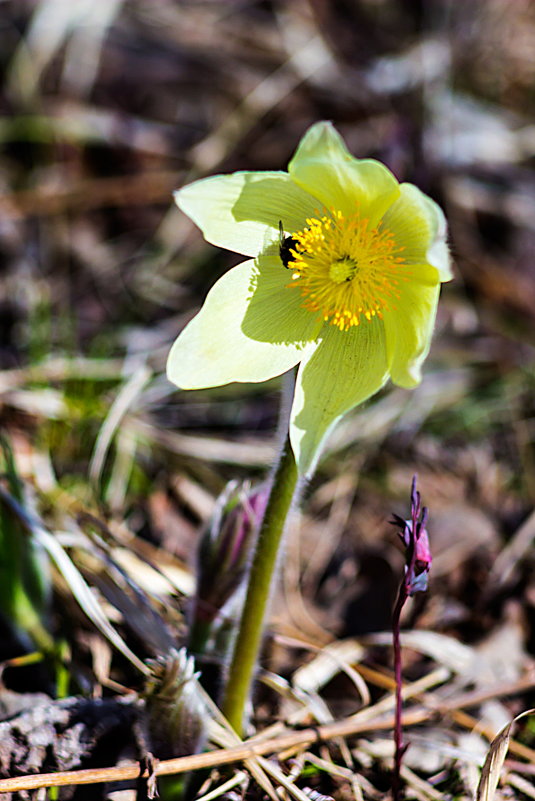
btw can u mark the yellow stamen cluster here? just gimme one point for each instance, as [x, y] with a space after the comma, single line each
[346, 270]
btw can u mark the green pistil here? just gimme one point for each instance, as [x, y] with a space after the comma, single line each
[343, 269]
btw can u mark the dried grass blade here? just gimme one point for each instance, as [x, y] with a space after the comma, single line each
[239, 778]
[120, 406]
[490, 773]
[79, 588]
[276, 773]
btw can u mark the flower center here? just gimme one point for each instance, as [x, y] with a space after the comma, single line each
[346, 270]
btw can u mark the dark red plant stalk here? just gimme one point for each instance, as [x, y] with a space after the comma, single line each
[415, 539]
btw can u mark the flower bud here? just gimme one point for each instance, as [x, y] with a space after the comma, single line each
[225, 548]
[414, 536]
[176, 712]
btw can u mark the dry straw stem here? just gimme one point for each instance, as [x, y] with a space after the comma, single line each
[211, 759]
[247, 750]
[454, 707]
[59, 368]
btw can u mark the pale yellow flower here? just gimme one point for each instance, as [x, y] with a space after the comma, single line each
[350, 293]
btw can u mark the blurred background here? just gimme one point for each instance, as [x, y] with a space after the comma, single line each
[106, 107]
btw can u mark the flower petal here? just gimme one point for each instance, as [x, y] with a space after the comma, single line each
[234, 211]
[346, 368]
[323, 166]
[419, 226]
[276, 312]
[214, 348]
[409, 330]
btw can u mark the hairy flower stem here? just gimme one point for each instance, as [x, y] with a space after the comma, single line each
[249, 637]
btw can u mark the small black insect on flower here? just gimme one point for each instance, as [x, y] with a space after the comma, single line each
[286, 245]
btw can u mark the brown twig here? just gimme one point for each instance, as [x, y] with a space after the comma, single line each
[306, 737]
[287, 739]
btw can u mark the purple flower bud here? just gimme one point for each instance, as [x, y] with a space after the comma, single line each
[225, 547]
[414, 536]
